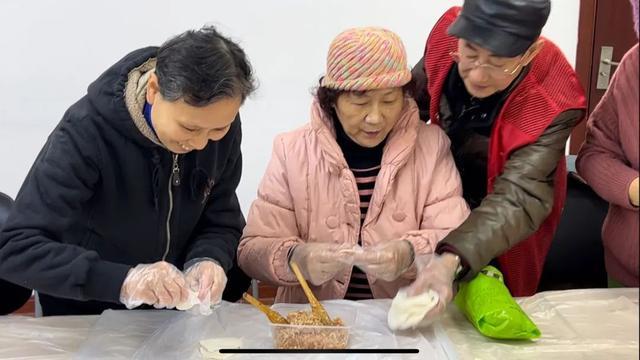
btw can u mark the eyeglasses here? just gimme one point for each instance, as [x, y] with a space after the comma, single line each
[496, 72]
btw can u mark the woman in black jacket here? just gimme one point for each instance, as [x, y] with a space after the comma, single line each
[13, 296]
[136, 183]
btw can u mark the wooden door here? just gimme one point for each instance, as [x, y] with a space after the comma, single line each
[603, 23]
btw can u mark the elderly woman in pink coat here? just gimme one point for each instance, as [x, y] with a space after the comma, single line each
[354, 195]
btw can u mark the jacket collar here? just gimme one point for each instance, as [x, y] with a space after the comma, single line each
[135, 92]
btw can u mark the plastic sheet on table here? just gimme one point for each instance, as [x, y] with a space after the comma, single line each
[575, 324]
[180, 337]
[53, 337]
[118, 334]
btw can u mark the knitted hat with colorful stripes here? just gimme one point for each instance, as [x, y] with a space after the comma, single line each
[368, 58]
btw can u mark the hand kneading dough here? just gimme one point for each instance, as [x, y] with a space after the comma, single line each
[407, 312]
[209, 349]
[191, 301]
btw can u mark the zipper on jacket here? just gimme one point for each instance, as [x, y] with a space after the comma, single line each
[173, 181]
[175, 172]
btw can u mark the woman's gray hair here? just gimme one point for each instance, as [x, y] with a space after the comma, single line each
[202, 66]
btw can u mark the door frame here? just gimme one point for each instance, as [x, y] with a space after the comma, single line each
[584, 64]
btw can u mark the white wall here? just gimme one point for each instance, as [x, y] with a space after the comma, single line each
[51, 50]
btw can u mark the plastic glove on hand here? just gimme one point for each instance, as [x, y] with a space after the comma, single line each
[208, 280]
[320, 262]
[435, 273]
[159, 284]
[386, 261]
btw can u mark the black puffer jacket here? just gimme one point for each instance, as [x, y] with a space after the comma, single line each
[101, 198]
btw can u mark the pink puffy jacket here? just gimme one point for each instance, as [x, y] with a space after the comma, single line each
[309, 194]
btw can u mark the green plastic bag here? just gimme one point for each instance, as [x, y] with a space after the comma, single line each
[489, 306]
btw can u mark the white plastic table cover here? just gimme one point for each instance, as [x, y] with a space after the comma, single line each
[575, 324]
[178, 337]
